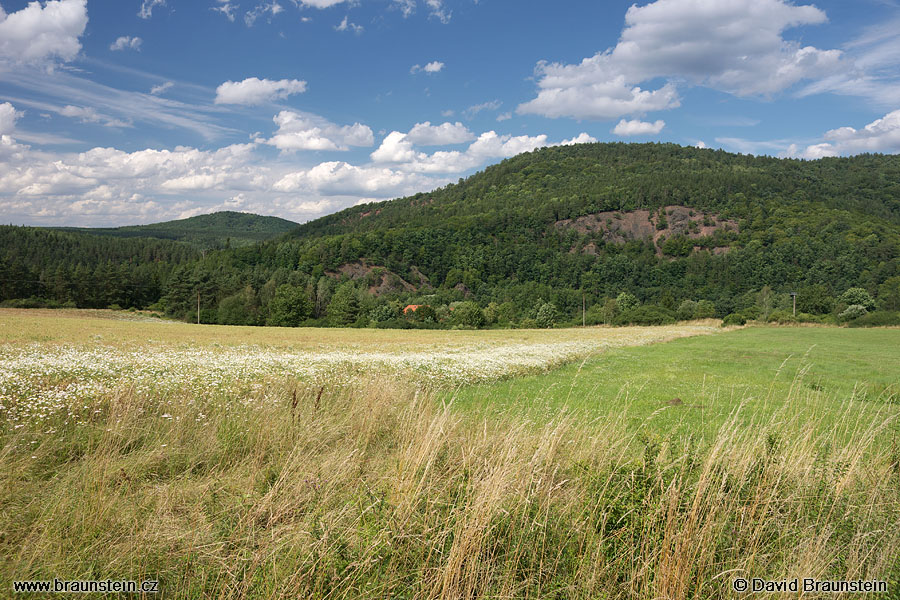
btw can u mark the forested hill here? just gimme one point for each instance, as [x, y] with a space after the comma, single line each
[215, 230]
[668, 226]
[540, 187]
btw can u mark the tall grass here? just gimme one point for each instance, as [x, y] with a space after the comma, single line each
[375, 490]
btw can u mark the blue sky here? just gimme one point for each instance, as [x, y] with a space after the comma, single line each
[135, 111]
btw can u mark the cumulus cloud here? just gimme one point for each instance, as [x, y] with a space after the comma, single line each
[304, 131]
[581, 138]
[426, 134]
[36, 33]
[126, 42]
[253, 91]
[397, 148]
[736, 46]
[434, 66]
[637, 127]
[8, 117]
[881, 135]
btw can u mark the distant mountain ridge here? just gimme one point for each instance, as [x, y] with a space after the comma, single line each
[214, 230]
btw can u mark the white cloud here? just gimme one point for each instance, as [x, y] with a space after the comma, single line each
[226, 8]
[162, 87]
[346, 25]
[407, 7]
[434, 66]
[90, 115]
[266, 7]
[36, 33]
[397, 148]
[477, 108]
[438, 10]
[426, 134]
[304, 131]
[126, 43]
[636, 127]
[8, 117]
[881, 135]
[700, 144]
[504, 117]
[735, 46]
[147, 8]
[319, 3]
[256, 91]
[581, 138]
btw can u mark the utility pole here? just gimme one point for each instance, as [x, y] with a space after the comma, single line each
[794, 296]
[198, 307]
[582, 309]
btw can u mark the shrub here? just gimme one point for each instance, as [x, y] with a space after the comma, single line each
[734, 319]
[625, 302]
[686, 310]
[468, 314]
[854, 311]
[858, 296]
[546, 315]
[705, 310]
[647, 314]
[880, 318]
[782, 316]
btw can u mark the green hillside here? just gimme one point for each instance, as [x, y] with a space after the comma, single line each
[215, 230]
[680, 231]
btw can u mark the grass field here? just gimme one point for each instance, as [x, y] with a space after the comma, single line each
[231, 462]
[832, 375]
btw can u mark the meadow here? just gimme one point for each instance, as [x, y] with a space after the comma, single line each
[658, 462]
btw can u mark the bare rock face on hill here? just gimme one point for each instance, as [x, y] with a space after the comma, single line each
[379, 280]
[619, 227]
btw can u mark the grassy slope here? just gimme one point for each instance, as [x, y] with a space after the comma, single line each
[712, 376]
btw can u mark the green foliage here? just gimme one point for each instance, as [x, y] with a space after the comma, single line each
[854, 311]
[424, 313]
[626, 302]
[545, 315]
[686, 310]
[290, 306]
[242, 308]
[224, 229]
[815, 299]
[468, 314]
[344, 306]
[858, 296]
[880, 318]
[734, 319]
[646, 314]
[706, 309]
[383, 313]
[889, 294]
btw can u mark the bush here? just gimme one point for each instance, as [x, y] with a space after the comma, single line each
[545, 316]
[854, 311]
[734, 319]
[782, 317]
[858, 296]
[647, 314]
[880, 318]
[625, 302]
[468, 314]
[705, 310]
[686, 310]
